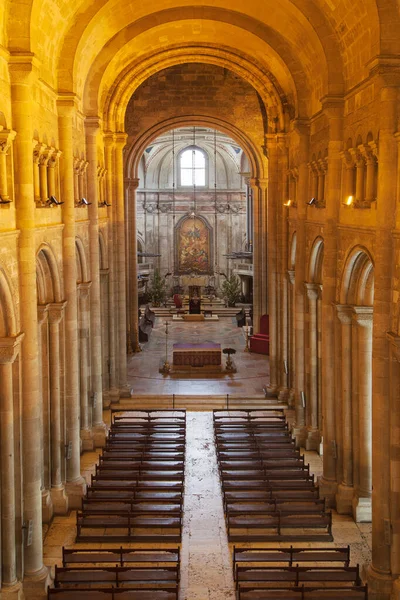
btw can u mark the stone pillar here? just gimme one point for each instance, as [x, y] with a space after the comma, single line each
[344, 496]
[60, 501]
[36, 179]
[51, 173]
[394, 341]
[75, 483]
[44, 192]
[379, 573]
[134, 308]
[291, 365]
[6, 138]
[113, 281]
[363, 318]
[84, 362]
[99, 428]
[23, 75]
[9, 348]
[313, 434]
[120, 249]
[301, 132]
[259, 298]
[333, 109]
[370, 160]
[105, 346]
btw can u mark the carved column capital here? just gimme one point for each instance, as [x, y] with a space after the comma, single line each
[42, 312]
[6, 138]
[312, 290]
[291, 276]
[56, 312]
[363, 316]
[84, 289]
[9, 348]
[344, 313]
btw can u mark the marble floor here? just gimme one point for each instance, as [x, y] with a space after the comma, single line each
[206, 563]
[144, 378]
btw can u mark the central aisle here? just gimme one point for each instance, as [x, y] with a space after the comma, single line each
[206, 565]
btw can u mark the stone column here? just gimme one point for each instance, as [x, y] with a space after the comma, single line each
[36, 179]
[44, 378]
[134, 308]
[394, 341]
[51, 173]
[379, 575]
[313, 434]
[113, 281]
[259, 298]
[23, 75]
[360, 166]
[75, 483]
[292, 354]
[99, 428]
[44, 192]
[60, 501]
[321, 181]
[363, 318]
[370, 161]
[84, 362]
[9, 348]
[105, 314]
[120, 141]
[301, 140]
[344, 496]
[333, 109]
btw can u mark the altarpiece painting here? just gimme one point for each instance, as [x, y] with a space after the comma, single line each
[193, 247]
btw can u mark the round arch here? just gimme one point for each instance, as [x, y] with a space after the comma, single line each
[8, 321]
[357, 286]
[316, 261]
[258, 162]
[81, 262]
[48, 276]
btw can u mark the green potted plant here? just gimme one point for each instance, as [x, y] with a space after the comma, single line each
[157, 291]
[231, 289]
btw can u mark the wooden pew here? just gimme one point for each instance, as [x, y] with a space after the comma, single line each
[146, 576]
[305, 593]
[121, 556]
[112, 594]
[263, 556]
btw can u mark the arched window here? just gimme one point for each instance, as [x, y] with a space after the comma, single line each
[192, 167]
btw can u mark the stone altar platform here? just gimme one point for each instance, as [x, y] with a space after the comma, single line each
[189, 317]
[199, 357]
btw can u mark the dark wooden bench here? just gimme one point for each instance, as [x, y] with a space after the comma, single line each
[305, 593]
[126, 462]
[120, 556]
[283, 505]
[112, 594]
[167, 576]
[104, 472]
[118, 505]
[128, 527]
[290, 555]
[264, 522]
[133, 493]
[247, 576]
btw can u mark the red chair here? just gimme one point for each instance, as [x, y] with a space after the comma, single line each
[177, 301]
[259, 342]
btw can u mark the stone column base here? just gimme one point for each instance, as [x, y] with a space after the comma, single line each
[362, 510]
[35, 585]
[75, 491]
[60, 500]
[313, 439]
[328, 490]
[12, 592]
[396, 590]
[344, 499]
[99, 433]
[87, 442]
[114, 395]
[299, 432]
[380, 585]
[291, 397]
[47, 506]
[270, 391]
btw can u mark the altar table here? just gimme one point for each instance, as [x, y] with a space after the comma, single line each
[197, 355]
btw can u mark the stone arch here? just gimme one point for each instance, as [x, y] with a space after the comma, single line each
[8, 322]
[81, 262]
[134, 153]
[316, 261]
[48, 276]
[358, 278]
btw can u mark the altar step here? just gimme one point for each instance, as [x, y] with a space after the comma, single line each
[198, 402]
[163, 312]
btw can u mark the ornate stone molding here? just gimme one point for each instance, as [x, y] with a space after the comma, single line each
[84, 289]
[363, 316]
[56, 312]
[42, 312]
[9, 348]
[312, 290]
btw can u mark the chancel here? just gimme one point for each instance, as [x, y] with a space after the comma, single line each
[179, 180]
